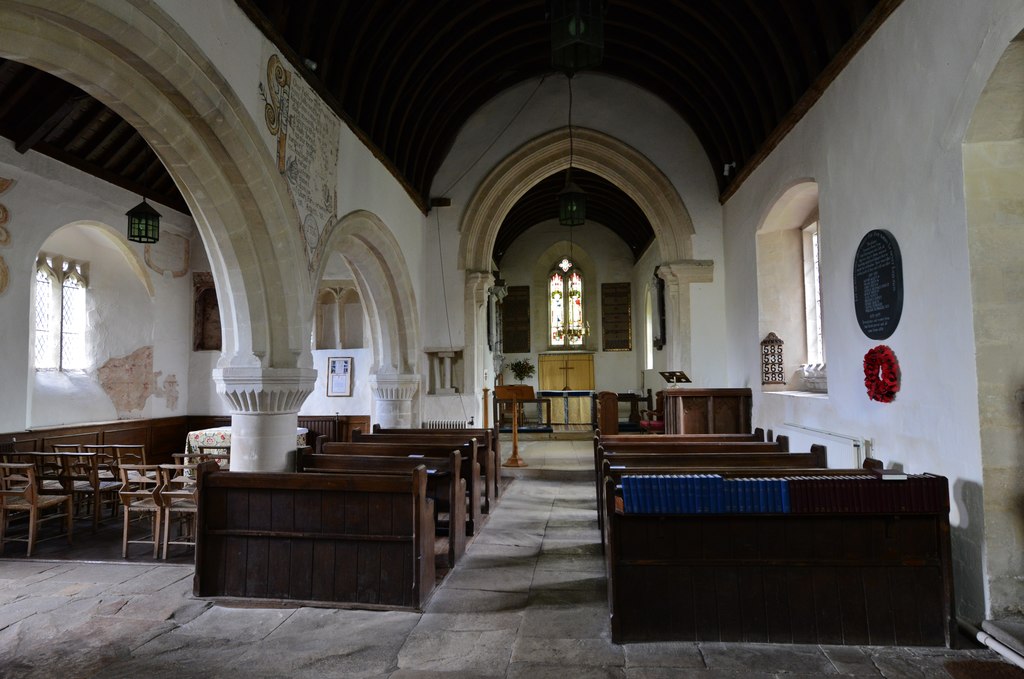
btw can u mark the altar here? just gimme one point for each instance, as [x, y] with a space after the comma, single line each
[571, 407]
[567, 381]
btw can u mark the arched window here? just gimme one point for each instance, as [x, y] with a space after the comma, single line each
[565, 306]
[60, 315]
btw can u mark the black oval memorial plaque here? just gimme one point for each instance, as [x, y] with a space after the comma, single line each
[878, 284]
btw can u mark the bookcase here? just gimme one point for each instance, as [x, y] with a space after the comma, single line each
[863, 578]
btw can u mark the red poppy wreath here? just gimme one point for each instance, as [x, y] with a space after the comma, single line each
[881, 374]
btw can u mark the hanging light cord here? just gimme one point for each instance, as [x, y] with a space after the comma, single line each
[568, 175]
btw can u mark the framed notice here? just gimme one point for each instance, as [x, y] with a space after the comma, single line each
[339, 376]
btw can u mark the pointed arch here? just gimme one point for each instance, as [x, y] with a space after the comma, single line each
[594, 151]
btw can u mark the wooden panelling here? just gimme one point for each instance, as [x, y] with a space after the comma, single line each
[839, 578]
[340, 538]
[707, 411]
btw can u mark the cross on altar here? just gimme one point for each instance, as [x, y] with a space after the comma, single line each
[566, 367]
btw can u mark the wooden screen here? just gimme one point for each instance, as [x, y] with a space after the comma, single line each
[515, 320]
[616, 317]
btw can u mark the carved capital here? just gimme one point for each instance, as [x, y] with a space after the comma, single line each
[252, 390]
[388, 386]
[477, 285]
[688, 271]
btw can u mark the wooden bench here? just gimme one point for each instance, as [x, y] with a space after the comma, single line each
[357, 540]
[445, 486]
[486, 455]
[815, 578]
[680, 443]
[816, 458]
[470, 468]
[487, 437]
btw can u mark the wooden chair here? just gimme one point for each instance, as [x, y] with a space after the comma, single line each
[140, 486]
[652, 420]
[20, 492]
[219, 454]
[178, 495]
[94, 481]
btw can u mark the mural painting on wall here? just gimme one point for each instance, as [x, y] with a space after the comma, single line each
[5, 235]
[168, 391]
[129, 381]
[306, 135]
[171, 253]
[206, 313]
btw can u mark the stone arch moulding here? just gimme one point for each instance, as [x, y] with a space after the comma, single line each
[133, 259]
[794, 206]
[384, 285]
[593, 151]
[139, 62]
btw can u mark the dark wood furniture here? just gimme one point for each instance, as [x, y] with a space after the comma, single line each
[707, 411]
[445, 486]
[488, 437]
[359, 540]
[505, 395]
[485, 454]
[826, 578]
[470, 469]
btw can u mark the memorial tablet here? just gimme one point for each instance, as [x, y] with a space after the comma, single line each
[878, 284]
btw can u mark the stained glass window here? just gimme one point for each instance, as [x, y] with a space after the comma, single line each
[565, 306]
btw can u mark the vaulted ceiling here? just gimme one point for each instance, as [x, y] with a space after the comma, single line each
[407, 74]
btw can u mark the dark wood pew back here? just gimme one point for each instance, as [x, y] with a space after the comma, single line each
[470, 468]
[356, 539]
[823, 578]
[445, 485]
[487, 436]
[486, 455]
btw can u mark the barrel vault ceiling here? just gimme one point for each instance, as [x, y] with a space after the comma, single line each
[405, 75]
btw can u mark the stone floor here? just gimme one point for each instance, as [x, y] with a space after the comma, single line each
[528, 600]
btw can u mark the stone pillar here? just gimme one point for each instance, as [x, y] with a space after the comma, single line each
[678, 276]
[264, 414]
[475, 347]
[393, 393]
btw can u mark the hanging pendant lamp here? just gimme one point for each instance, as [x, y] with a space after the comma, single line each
[572, 201]
[143, 223]
[577, 34]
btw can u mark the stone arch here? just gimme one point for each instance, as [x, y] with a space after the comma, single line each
[132, 258]
[993, 170]
[385, 287]
[142, 64]
[594, 151]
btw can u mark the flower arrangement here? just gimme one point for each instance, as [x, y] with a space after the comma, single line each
[881, 374]
[522, 369]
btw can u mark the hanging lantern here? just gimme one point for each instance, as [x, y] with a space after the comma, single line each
[143, 223]
[572, 204]
[577, 34]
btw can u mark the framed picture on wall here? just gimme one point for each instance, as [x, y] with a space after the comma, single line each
[339, 376]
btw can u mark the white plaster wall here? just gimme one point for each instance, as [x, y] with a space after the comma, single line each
[884, 144]
[606, 104]
[48, 195]
[359, 403]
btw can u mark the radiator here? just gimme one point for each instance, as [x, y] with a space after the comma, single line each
[447, 424]
[844, 450]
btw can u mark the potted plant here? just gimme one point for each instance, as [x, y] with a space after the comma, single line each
[521, 369]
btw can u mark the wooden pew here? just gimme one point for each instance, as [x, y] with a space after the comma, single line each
[809, 578]
[486, 453]
[445, 486]
[679, 443]
[470, 468]
[488, 437]
[816, 458]
[357, 539]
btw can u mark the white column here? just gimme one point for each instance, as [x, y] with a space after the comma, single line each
[393, 393]
[678, 276]
[474, 350]
[264, 414]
